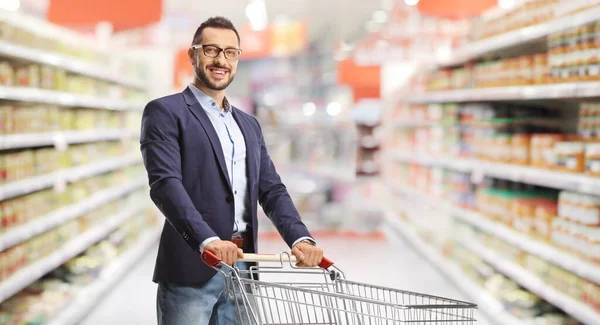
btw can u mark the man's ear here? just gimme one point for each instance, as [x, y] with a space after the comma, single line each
[192, 56]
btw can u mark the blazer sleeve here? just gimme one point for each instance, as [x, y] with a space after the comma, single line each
[161, 152]
[276, 201]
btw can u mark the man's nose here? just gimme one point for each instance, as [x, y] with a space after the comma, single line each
[221, 58]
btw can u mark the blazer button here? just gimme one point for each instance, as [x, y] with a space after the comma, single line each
[229, 199]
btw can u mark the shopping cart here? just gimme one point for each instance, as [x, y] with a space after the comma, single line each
[323, 296]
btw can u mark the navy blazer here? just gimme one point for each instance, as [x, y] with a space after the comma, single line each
[189, 184]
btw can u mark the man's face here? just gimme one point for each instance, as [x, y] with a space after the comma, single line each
[215, 73]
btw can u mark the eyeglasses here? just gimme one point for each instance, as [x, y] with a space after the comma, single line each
[213, 51]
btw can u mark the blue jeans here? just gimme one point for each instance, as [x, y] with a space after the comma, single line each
[208, 304]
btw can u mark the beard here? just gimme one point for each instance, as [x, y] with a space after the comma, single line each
[202, 75]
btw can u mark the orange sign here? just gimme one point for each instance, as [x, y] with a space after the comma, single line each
[123, 14]
[365, 81]
[255, 44]
[279, 39]
[455, 9]
[184, 72]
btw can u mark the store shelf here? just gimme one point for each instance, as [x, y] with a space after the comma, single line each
[64, 99]
[517, 38]
[59, 177]
[528, 280]
[30, 140]
[89, 296]
[540, 249]
[415, 124]
[36, 270]
[68, 63]
[485, 301]
[56, 218]
[572, 90]
[559, 180]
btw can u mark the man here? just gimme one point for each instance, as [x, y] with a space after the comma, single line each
[208, 166]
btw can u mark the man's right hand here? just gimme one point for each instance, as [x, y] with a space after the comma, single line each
[227, 251]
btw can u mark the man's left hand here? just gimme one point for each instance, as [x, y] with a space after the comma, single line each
[307, 254]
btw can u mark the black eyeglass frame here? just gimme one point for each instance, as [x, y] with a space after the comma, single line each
[201, 46]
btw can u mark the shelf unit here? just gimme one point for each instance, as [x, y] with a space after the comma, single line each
[535, 247]
[89, 296]
[516, 38]
[485, 301]
[68, 63]
[64, 176]
[36, 95]
[528, 280]
[69, 250]
[574, 90]
[551, 254]
[558, 180]
[30, 140]
[72, 42]
[56, 218]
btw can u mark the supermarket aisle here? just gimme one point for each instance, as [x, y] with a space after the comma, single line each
[133, 300]
[381, 262]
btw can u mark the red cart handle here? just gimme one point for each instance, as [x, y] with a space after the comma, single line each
[211, 259]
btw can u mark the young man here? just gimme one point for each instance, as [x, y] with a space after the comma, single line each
[208, 167]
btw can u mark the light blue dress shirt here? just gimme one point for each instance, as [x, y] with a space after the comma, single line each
[234, 150]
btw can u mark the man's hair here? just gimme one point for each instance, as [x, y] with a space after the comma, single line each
[214, 22]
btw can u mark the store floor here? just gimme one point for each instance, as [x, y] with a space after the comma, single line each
[381, 262]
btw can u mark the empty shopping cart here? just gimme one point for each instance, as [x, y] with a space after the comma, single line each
[323, 296]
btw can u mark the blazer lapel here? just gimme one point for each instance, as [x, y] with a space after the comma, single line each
[202, 117]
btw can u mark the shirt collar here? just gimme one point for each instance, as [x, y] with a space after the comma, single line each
[207, 102]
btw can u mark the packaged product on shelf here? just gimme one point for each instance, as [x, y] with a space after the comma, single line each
[7, 75]
[570, 156]
[48, 77]
[543, 154]
[591, 295]
[592, 159]
[17, 165]
[546, 210]
[28, 76]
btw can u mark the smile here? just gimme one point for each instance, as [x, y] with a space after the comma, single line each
[218, 73]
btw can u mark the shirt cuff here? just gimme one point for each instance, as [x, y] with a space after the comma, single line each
[206, 242]
[301, 239]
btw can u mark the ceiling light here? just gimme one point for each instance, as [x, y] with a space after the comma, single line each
[334, 109]
[411, 2]
[10, 5]
[506, 4]
[309, 109]
[257, 14]
[380, 16]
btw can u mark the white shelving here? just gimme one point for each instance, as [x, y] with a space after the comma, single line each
[524, 174]
[570, 305]
[60, 177]
[56, 218]
[518, 37]
[89, 296]
[552, 91]
[33, 272]
[540, 249]
[64, 99]
[28, 140]
[486, 302]
[68, 63]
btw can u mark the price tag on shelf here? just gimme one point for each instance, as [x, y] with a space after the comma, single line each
[477, 176]
[60, 142]
[60, 183]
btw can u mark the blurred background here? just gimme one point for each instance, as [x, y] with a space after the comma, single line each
[456, 143]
